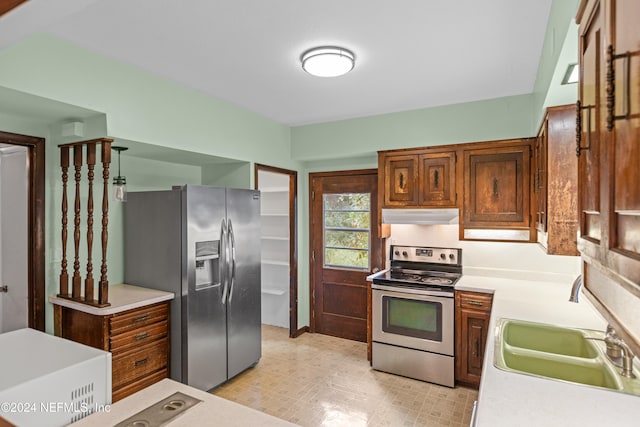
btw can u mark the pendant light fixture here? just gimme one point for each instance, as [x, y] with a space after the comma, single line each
[119, 182]
[328, 61]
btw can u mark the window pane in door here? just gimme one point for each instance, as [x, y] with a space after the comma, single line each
[347, 230]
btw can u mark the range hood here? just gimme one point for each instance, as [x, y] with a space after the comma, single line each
[420, 216]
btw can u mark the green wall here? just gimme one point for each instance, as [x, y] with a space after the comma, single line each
[499, 118]
[560, 18]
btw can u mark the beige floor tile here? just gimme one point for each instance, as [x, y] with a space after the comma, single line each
[318, 380]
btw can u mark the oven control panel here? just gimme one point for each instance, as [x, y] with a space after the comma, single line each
[450, 256]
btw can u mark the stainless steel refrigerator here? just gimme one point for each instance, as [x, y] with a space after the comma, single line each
[203, 244]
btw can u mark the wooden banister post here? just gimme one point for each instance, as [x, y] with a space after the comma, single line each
[88, 281]
[77, 163]
[103, 289]
[64, 275]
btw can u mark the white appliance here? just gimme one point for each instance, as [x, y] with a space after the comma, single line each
[50, 381]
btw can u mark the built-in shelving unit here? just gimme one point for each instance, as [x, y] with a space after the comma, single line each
[274, 214]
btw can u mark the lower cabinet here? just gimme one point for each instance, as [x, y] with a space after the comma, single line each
[138, 340]
[473, 310]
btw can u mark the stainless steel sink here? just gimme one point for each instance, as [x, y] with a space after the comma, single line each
[564, 354]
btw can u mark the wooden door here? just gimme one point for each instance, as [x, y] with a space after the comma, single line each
[497, 187]
[589, 126]
[437, 182]
[401, 180]
[623, 122]
[345, 249]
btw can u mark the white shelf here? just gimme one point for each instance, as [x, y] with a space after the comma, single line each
[275, 190]
[274, 238]
[273, 291]
[273, 262]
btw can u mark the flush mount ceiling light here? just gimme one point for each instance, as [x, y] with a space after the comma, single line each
[327, 61]
[571, 75]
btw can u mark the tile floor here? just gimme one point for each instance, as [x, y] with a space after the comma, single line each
[318, 380]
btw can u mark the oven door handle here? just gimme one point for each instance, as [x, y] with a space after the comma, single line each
[403, 290]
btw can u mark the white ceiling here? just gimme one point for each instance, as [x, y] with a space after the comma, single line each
[410, 53]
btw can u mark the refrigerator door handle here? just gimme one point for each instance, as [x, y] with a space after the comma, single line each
[232, 273]
[224, 256]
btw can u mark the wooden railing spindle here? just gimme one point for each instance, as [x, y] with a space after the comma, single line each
[103, 290]
[88, 281]
[64, 275]
[77, 163]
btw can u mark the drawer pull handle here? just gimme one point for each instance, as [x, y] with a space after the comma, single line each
[141, 336]
[141, 318]
[476, 303]
[141, 362]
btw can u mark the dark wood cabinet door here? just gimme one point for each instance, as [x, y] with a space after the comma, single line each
[497, 187]
[473, 311]
[555, 177]
[437, 182]
[590, 115]
[623, 119]
[401, 180]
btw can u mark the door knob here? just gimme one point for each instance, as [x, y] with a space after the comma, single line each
[4, 288]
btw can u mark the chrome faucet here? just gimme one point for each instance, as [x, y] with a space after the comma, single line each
[618, 352]
[612, 340]
[575, 289]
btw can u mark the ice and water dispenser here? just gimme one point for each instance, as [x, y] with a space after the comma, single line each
[207, 264]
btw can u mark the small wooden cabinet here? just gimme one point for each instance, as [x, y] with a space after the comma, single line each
[138, 340]
[400, 180]
[437, 183]
[497, 191]
[417, 178]
[555, 177]
[473, 310]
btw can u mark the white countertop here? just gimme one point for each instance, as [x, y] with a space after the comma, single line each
[213, 410]
[122, 298]
[511, 399]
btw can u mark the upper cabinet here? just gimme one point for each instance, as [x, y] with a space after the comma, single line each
[497, 197]
[437, 179]
[417, 178]
[400, 180]
[609, 159]
[489, 182]
[555, 181]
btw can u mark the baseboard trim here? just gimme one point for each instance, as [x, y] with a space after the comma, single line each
[300, 331]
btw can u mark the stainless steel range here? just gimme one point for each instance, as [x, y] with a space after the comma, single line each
[413, 316]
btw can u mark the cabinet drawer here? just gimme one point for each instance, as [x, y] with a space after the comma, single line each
[138, 318]
[146, 381]
[138, 337]
[475, 301]
[128, 367]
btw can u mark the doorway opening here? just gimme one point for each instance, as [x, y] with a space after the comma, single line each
[33, 268]
[279, 263]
